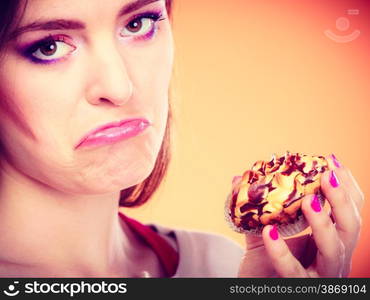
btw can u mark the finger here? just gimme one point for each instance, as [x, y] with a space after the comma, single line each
[346, 177]
[284, 262]
[252, 266]
[356, 190]
[255, 265]
[346, 215]
[253, 241]
[295, 244]
[345, 211]
[330, 256]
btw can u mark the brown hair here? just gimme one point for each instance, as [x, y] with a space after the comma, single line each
[132, 196]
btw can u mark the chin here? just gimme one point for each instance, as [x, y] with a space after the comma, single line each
[119, 167]
[122, 179]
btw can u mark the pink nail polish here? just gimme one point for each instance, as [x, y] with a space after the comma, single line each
[315, 203]
[335, 161]
[274, 234]
[333, 179]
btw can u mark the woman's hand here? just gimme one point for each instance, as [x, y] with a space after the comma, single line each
[325, 253]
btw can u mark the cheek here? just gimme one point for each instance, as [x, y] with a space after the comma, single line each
[36, 110]
[153, 70]
[37, 99]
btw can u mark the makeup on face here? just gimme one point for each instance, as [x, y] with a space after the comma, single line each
[54, 48]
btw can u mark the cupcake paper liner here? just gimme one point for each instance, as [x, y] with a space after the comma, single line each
[284, 230]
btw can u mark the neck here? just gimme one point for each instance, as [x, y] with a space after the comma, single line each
[49, 232]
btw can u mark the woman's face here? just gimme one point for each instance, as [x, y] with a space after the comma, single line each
[96, 67]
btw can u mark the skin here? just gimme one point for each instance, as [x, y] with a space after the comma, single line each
[58, 202]
[325, 253]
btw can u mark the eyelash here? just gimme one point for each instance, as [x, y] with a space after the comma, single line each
[155, 17]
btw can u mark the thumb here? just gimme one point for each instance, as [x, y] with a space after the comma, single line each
[253, 241]
[254, 263]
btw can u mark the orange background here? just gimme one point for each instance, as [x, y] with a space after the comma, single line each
[256, 77]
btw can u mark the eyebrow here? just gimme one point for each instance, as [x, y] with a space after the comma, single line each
[59, 24]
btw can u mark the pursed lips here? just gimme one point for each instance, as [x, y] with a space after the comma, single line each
[114, 131]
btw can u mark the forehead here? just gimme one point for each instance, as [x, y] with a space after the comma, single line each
[72, 14]
[79, 9]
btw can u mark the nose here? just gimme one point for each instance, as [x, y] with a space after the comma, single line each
[109, 80]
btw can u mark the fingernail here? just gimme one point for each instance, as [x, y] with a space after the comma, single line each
[335, 161]
[315, 204]
[274, 234]
[236, 178]
[333, 179]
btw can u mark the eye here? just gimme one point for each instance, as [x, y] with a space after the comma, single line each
[50, 49]
[142, 25]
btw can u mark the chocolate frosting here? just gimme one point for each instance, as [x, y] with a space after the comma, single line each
[269, 191]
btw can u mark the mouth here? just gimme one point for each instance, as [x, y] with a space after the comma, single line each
[113, 132]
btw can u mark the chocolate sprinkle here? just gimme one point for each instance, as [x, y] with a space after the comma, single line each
[293, 193]
[248, 206]
[290, 202]
[271, 163]
[247, 222]
[307, 181]
[233, 204]
[258, 189]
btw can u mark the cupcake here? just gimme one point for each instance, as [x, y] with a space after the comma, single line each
[271, 193]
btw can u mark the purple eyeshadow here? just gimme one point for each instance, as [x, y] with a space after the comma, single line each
[29, 49]
[156, 16]
[149, 35]
[40, 61]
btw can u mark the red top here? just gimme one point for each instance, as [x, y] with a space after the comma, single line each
[166, 254]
